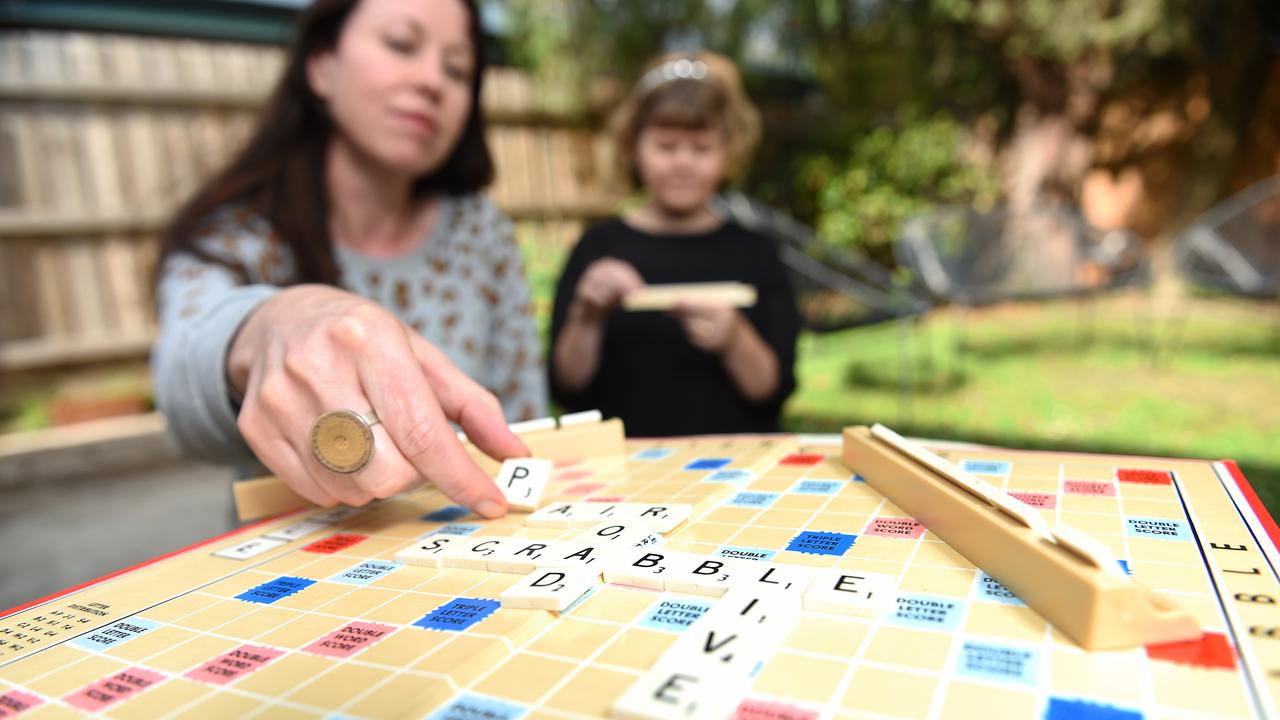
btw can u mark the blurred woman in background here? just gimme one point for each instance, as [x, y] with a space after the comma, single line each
[686, 129]
[346, 260]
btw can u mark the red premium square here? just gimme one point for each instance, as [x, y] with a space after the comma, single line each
[801, 459]
[1211, 651]
[334, 543]
[753, 709]
[1145, 477]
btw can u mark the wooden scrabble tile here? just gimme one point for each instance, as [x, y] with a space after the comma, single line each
[662, 518]
[522, 481]
[426, 552]
[534, 425]
[591, 514]
[573, 554]
[739, 633]
[644, 567]
[519, 556]
[721, 643]
[620, 534]
[775, 578]
[679, 690]
[848, 592]
[702, 575]
[550, 588]
[585, 417]
[473, 553]
[745, 605]
[557, 515]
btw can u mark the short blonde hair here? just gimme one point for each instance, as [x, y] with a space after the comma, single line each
[693, 90]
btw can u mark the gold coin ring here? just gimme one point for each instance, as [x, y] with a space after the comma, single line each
[342, 440]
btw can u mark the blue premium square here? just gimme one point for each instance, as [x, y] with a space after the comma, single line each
[817, 487]
[272, 590]
[478, 707]
[735, 476]
[365, 572]
[752, 499]
[115, 633]
[822, 543]
[986, 467]
[458, 614]
[998, 663]
[1158, 528]
[1064, 709]
[674, 615]
[708, 463]
[447, 514]
[990, 589]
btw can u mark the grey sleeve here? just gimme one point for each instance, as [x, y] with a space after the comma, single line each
[201, 306]
[514, 354]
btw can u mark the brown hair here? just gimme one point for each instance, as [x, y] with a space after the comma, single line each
[279, 174]
[710, 96]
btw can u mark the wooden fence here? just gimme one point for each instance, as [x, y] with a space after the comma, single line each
[101, 135]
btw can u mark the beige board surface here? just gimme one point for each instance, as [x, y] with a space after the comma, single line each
[316, 619]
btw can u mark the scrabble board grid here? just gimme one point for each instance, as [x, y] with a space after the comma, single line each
[955, 642]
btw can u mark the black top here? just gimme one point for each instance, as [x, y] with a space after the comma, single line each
[650, 375]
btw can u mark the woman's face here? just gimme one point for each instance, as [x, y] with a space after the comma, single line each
[680, 168]
[398, 84]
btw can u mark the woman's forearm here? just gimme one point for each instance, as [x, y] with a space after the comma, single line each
[751, 363]
[577, 349]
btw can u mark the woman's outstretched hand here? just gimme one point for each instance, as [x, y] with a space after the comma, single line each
[315, 348]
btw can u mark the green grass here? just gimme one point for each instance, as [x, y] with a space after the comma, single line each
[1199, 379]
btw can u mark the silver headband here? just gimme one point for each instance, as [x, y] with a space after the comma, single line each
[682, 69]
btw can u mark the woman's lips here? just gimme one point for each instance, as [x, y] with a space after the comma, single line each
[421, 122]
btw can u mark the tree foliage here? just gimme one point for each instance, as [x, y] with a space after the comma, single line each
[890, 174]
[1069, 30]
[871, 63]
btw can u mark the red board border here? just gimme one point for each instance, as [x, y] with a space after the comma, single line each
[1251, 497]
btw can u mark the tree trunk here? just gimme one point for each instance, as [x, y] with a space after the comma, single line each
[1048, 154]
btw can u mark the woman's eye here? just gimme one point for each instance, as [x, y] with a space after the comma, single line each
[461, 73]
[400, 45]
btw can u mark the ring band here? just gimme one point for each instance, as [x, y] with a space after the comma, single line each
[342, 440]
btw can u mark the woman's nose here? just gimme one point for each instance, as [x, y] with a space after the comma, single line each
[428, 73]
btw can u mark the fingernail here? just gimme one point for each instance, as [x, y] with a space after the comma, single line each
[489, 509]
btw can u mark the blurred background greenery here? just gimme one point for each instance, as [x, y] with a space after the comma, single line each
[876, 108]
[1141, 113]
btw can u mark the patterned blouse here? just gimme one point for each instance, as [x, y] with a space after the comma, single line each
[463, 289]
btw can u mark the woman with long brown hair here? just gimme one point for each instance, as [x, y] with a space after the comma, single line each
[342, 290]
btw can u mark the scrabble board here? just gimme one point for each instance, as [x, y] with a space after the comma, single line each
[309, 615]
